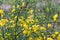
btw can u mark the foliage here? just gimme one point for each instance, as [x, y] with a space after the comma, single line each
[23, 20]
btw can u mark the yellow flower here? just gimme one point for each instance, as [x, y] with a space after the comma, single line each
[58, 38]
[35, 28]
[3, 22]
[49, 39]
[25, 25]
[39, 38]
[30, 38]
[31, 16]
[31, 11]
[13, 10]
[15, 17]
[29, 33]
[25, 32]
[11, 21]
[42, 28]
[1, 11]
[0, 22]
[31, 21]
[49, 25]
[56, 33]
[55, 17]
[23, 4]
[53, 35]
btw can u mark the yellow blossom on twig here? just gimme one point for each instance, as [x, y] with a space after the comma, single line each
[55, 17]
